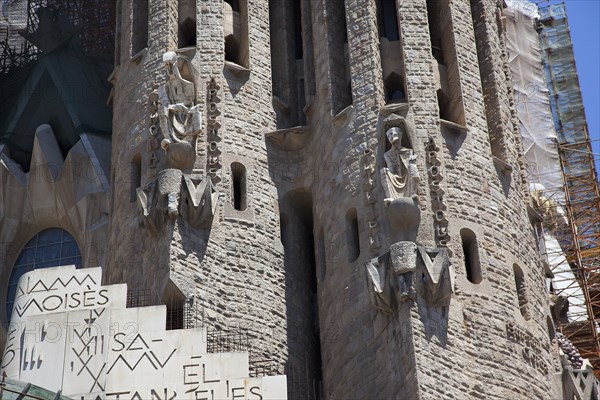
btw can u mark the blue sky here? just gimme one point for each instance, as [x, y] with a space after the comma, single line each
[584, 21]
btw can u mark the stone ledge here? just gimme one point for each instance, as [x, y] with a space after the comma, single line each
[502, 165]
[236, 69]
[290, 139]
[137, 57]
[342, 117]
[454, 125]
[394, 108]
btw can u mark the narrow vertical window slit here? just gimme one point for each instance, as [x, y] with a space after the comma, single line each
[352, 235]
[239, 186]
[445, 61]
[487, 73]
[392, 59]
[288, 60]
[186, 34]
[521, 288]
[339, 56]
[471, 256]
[236, 32]
[139, 34]
[135, 177]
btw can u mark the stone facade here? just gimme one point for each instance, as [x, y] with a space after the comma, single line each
[281, 222]
[471, 337]
[233, 266]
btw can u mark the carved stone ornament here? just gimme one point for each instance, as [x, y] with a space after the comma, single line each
[179, 114]
[400, 179]
[391, 276]
[436, 282]
[400, 175]
[213, 136]
[434, 172]
[176, 190]
[84, 358]
[175, 193]
[368, 163]
[407, 270]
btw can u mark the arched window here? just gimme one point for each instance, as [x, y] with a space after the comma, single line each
[236, 32]
[187, 23]
[239, 186]
[49, 248]
[471, 255]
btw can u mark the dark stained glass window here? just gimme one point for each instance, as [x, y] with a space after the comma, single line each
[49, 248]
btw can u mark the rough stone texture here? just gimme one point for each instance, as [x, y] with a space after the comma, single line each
[462, 351]
[280, 268]
[234, 268]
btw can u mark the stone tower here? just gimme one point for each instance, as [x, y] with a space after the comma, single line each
[194, 213]
[342, 181]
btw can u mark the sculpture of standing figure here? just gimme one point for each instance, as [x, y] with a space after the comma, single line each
[400, 178]
[180, 116]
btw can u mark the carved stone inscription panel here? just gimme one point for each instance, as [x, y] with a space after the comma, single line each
[69, 333]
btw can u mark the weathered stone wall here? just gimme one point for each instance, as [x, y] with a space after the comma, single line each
[135, 256]
[234, 269]
[479, 346]
[487, 347]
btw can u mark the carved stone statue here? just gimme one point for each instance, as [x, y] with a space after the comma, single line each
[177, 189]
[408, 270]
[180, 116]
[400, 178]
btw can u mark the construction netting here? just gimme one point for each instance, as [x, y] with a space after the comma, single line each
[560, 164]
[532, 95]
[540, 143]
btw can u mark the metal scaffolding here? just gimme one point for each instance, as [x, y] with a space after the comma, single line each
[571, 212]
[95, 20]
